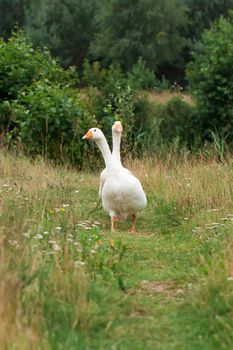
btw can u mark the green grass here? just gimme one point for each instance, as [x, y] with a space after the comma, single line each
[67, 286]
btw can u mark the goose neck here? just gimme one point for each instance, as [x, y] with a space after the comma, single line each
[105, 150]
[116, 141]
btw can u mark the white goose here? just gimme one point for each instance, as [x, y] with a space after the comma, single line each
[116, 143]
[122, 193]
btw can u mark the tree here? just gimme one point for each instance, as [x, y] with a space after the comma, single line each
[66, 27]
[202, 13]
[133, 29]
[210, 75]
[12, 14]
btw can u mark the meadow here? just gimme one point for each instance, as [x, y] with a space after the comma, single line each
[68, 283]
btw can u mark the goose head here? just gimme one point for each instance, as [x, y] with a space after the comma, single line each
[94, 134]
[117, 127]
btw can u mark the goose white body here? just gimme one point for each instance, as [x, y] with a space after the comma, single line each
[121, 192]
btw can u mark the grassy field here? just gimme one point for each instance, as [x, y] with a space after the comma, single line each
[66, 282]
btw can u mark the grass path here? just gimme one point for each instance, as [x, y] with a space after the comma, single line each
[68, 283]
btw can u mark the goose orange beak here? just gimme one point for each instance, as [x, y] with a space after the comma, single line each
[88, 135]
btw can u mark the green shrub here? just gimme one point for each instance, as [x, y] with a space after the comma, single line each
[141, 77]
[20, 65]
[210, 75]
[177, 120]
[39, 108]
[93, 74]
[161, 126]
[52, 122]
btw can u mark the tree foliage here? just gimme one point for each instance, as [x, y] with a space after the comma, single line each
[66, 27]
[128, 30]
[12, 14]
[210, 75]
[202, 13]
[160, 33]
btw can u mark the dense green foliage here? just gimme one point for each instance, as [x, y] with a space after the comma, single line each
[160, 33]
[133, 29]
[202, 13]
[66, 27]
[12, 14]
[44, 110]
[39, 107]
[211, 77]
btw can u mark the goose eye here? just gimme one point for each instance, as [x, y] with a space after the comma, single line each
[94, 130]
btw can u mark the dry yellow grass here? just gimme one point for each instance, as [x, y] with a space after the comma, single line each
[165, 96]
[190, 182]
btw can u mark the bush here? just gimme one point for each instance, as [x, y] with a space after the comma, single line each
[141, 77]
[177, 120]
[210, 75]
[39, 109]
[162, 126]
[20, 65]
[52, 122]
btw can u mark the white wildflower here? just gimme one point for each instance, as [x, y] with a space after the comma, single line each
[38, 236]
[26, 234]
[13, 242]
[56, 247]
[79, 263]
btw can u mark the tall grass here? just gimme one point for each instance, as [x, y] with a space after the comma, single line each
[66, 282]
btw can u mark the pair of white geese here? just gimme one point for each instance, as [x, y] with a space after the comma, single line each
[121, 192]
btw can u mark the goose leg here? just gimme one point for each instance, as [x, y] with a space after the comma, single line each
[133, 228]
[113, 220]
